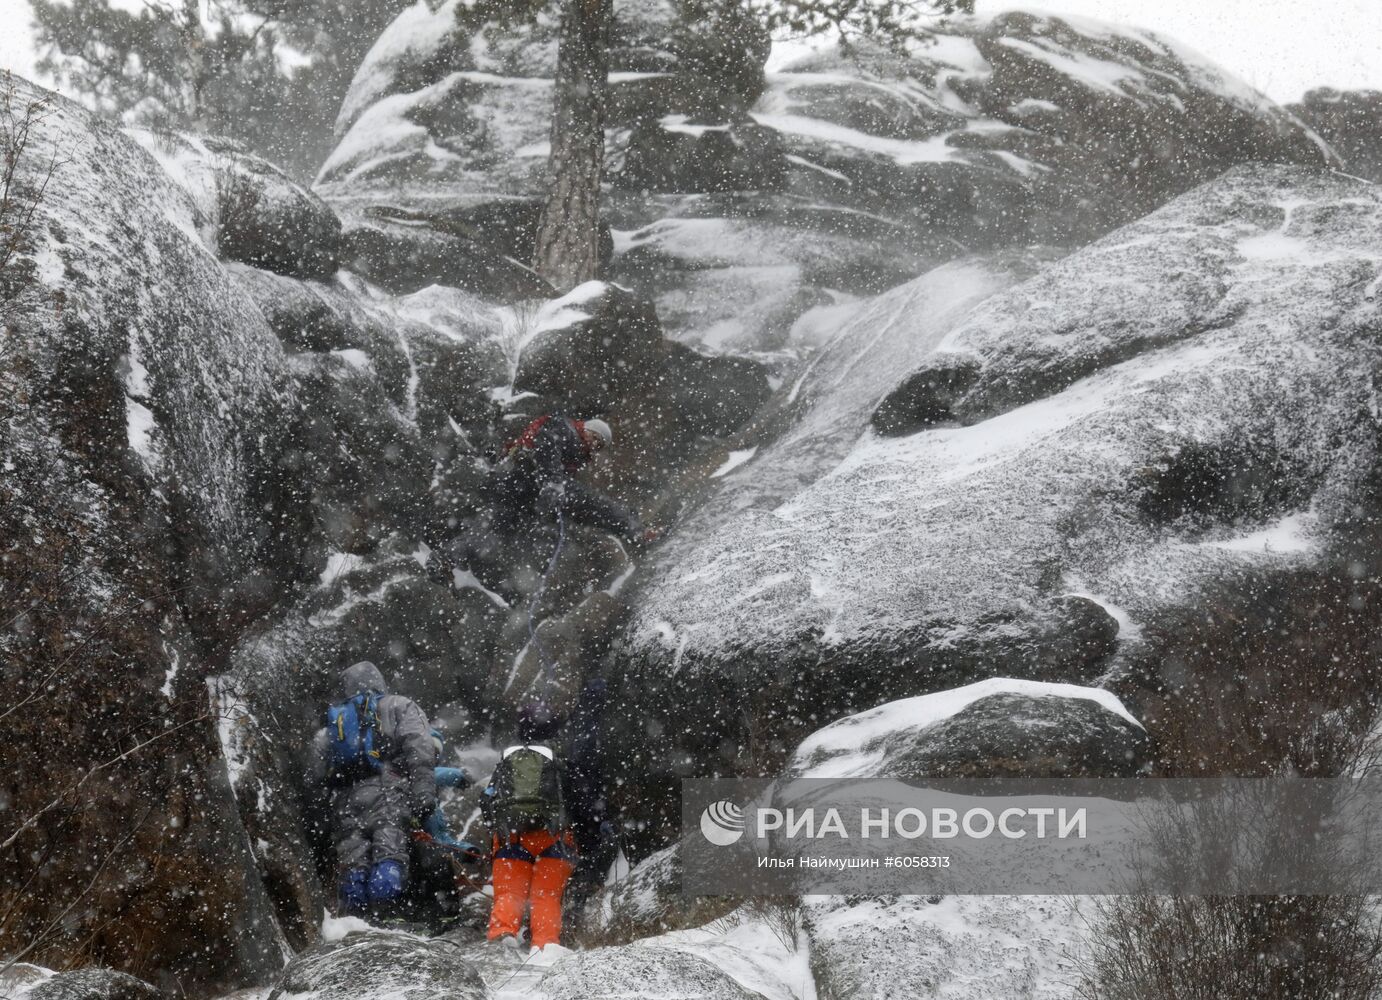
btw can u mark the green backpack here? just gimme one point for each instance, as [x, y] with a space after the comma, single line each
[525, 792]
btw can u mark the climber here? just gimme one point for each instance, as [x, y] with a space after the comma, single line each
[595, 835]
[376, 756]
[534, 852]
[536, 480]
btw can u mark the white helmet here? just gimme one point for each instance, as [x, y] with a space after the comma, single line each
[600, 429]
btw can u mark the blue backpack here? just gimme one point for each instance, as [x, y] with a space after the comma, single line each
[351, 751]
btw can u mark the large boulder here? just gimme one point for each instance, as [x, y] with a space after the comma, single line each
[377, 964]
[999, 728]
[1179, 408]
[591, 349]
[405, 258]
[142, 401]
[1021, 126]
[648, 901]
[1351, 122]
[247, 209]
[238, 477]
[753, 953]
[601, 348]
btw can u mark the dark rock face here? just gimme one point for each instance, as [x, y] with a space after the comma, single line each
[96, 984]
[1351, 122]
[601, 349]
[257, 214]
[378, 964]
[140, 399]
[690, 157]
[925, 398]
[406, 257]
[1011, 735]
[595, 347]
[234, 476]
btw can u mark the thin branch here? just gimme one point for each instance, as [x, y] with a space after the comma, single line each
[43, 934]
[32, 820]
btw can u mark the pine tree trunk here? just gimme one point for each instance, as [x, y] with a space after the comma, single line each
[568, 238]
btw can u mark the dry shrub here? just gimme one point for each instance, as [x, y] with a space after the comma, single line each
[1277, 678]
[1234, 948]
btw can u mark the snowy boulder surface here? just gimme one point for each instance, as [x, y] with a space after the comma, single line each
[95, 984]
[632, 972]
[1185, 403]
[744, 955]
[989, 729]
[952, 947]
[379, 964]
[1022, 126]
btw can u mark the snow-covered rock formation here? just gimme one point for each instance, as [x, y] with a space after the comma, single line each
[1351, 122]
[901, 447]
[956, 947]
[374, 964]
[1185, 403]
[142, 398]
[990, 729]
[743, 203]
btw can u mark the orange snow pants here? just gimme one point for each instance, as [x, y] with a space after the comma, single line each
[530, 873]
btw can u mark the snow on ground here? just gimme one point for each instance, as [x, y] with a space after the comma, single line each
[744, 951]
[733, 461]
[951, 947]
[336, 928]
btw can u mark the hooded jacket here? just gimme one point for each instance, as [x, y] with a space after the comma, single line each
[406, 749]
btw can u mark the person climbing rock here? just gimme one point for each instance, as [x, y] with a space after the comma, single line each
[535, 481]
[376, 756]
[586, 793]
[534, 852]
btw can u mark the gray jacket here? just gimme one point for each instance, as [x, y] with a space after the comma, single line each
[405, 741]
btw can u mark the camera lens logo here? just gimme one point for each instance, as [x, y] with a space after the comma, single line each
[722, 823]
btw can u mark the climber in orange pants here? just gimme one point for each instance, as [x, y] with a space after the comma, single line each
[530, 873]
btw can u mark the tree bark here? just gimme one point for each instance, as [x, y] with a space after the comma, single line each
[568, 238]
